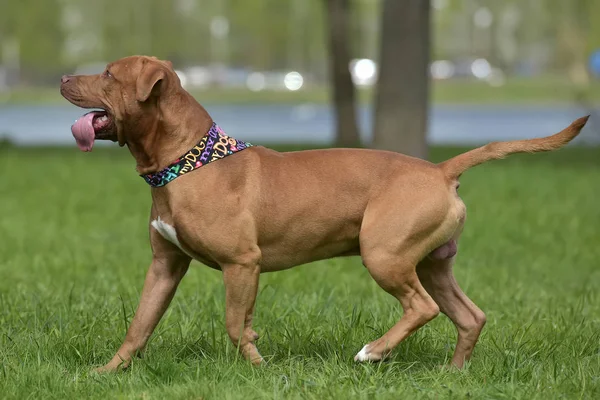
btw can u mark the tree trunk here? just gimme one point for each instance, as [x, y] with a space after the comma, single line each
[401, 103]
[338, 16]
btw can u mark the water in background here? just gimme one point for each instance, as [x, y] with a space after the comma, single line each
[310, 123]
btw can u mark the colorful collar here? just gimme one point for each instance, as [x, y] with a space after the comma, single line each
[213, 146]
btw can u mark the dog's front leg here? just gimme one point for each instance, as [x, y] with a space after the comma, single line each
[241, 286]
[161, 282]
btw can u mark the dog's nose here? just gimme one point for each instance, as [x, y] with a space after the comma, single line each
[65, 79]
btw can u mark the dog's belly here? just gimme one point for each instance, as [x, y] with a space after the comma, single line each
[286, 252]
[275, 258]
[306, 239]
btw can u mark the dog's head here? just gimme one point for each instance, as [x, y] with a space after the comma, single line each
[125, 98]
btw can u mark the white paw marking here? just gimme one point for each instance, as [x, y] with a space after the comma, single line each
[168, 232]
[362, 355]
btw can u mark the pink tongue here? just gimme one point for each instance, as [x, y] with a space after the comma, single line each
[83, 131]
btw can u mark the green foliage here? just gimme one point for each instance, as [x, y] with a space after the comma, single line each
[75, 249]
[57, 35]
[260, 31]
[36, 24]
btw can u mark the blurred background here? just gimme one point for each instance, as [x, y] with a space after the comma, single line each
[315, 71]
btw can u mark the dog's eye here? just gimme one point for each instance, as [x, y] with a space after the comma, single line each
[107, 74]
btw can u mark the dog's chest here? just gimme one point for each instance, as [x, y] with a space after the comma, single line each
[168, 232]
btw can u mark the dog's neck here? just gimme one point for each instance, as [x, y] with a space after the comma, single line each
[213, 146]
[169, 135]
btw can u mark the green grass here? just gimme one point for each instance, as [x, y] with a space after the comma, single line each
[541, 90]
[74, 251]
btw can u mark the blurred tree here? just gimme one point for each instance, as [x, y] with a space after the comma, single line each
[314, 42]
[364, 29]
[338, 15]
[401, 101]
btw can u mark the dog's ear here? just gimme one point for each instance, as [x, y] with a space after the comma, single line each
[150, 81]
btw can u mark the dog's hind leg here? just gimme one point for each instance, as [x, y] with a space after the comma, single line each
[241, 286]
[416, 214]
[438, 279]
[402, 282]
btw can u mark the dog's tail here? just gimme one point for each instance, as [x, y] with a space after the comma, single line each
[454, 167]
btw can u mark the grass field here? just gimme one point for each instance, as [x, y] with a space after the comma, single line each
[74, 251]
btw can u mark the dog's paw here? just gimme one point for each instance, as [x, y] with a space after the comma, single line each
[111, 367]
[256, 361]
[365, 356]
[250, 353]
[102, 370]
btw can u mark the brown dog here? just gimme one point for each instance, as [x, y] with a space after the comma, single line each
[260, 210]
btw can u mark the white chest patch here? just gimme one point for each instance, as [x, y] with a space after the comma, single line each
[168, 232]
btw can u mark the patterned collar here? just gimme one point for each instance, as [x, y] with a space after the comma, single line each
[213, 146]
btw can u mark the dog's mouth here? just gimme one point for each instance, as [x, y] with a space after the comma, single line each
[91, 126]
